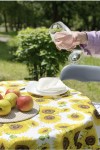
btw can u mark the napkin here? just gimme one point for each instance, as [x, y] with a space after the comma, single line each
[50, 84]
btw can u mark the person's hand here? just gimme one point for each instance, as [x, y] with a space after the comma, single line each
[68, 41]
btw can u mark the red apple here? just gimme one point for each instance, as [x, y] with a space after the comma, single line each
[16, 91]
[1, 97]
[25, 103]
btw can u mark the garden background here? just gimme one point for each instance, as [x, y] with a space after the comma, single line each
[26, 50]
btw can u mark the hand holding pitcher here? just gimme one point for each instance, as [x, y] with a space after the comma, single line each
[65, 39]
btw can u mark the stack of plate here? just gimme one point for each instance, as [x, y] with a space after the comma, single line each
[47, 86]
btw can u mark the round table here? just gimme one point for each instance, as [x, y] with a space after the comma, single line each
[68, 121]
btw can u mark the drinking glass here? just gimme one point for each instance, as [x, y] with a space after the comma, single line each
[59, 26]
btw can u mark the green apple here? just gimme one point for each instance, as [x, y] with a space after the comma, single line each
[12, 98]
[5, 107]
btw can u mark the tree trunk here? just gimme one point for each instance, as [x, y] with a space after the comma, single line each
[35, 72]
[5, 21]
[55, 16]
[93, 26]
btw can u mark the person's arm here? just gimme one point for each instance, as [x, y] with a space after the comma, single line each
[93, 42]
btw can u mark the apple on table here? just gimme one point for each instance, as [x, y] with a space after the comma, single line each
[25, 103]
[5, 107]
[16, 91]
[12, 98]
[1, 97]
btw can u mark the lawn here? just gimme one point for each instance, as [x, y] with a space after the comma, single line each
[10, 70]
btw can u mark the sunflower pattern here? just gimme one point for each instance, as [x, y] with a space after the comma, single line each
[14, 85]
[90, 138]
[44, 130]
[65, 110]
[16, 128]
[76, 116]
[45, 146]
[96, 116]
[49, 110]
[68, 121]
[3, 144]
[33, 124]
[50, 118]
[64, 142]
[62, 126]
[1, 128]
[41, 101]
[62, 103]
[83, 107]
[22, 143]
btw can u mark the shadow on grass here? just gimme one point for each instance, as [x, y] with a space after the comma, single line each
[10, 68]
[2, 78]
[5, 52]
[11, 33]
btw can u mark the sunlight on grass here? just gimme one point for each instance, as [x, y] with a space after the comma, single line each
[90, 89]
[12, 71]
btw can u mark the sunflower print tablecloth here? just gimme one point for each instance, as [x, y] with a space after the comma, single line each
[68, 121]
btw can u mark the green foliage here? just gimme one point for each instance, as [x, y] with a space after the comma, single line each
[37, 50]
[77, 15]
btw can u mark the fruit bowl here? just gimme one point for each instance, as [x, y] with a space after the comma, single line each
[15, 115]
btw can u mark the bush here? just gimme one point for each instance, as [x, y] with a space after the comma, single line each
[37, 50]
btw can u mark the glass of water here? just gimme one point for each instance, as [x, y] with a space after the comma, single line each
[59, 26]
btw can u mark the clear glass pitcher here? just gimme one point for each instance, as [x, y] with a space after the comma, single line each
[59, 26]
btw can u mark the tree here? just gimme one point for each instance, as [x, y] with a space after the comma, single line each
[3, 10]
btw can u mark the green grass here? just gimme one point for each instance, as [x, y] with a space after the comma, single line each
[89, 89]
[10, 70]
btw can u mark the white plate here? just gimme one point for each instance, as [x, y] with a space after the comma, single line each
[32, 88]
